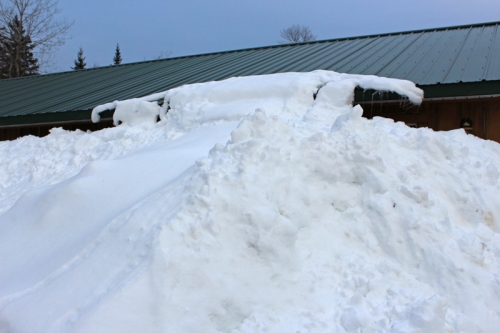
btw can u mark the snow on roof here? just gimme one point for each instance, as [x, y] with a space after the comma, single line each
[339, 89]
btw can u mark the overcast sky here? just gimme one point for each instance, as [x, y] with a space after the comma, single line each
[146, 28]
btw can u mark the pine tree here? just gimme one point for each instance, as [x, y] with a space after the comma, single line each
[118, 56]
[42, 22]
[80, 61]
[16, 52]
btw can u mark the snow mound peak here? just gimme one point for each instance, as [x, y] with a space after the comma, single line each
[132, 112]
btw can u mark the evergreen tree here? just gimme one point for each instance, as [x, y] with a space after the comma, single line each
[42, 23]
[80, 61]
[118, 56]
[16, 52]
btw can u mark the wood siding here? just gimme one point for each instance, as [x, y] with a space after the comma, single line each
[444, 115]
[42, 129]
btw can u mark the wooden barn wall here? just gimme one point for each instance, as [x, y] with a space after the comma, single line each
[444, 115]
[42, 129]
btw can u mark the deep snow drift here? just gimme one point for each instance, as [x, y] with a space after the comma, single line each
[251, 207]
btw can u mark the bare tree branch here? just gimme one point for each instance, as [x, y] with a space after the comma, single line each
[163, 55]
[297, 34]
[40, 20]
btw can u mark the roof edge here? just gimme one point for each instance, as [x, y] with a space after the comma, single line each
[48, 118]
[437, 91]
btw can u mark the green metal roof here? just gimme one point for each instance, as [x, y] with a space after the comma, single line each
[451, 55]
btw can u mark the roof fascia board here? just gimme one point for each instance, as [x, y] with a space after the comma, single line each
[54, 117]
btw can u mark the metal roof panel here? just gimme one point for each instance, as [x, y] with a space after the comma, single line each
[493, 69]
[478, 59]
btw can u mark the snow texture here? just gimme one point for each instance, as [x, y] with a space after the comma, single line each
[251, 206]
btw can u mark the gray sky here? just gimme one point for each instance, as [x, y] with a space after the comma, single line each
[146, 28]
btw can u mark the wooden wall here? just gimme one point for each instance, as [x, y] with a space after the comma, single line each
[42, 129]
[444, 115]
[439, 115]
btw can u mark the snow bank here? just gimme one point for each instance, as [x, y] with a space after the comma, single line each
[251, 207]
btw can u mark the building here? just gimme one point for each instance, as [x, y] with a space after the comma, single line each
[457, 67]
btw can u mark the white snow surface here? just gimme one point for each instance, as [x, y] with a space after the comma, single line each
[251, 207]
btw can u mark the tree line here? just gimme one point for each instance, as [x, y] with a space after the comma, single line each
[79, 62]
[296, 33]
[31, 31]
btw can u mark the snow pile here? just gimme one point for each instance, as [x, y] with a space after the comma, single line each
[136, 112]
[258, 204]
